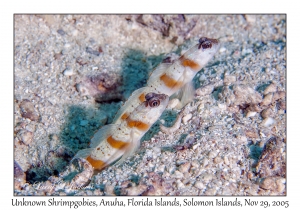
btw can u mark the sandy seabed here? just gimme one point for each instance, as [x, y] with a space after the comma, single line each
[73, 72]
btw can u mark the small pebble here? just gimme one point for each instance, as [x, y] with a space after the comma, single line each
[161, 168]
[200, 107]
[266, 113]
[226, 161]
[26, 137]
[273, 183]
[19, 176]
[68, 72]
[212, 154]
[207, 177]
[251, 133]
[270, 89]
[91, 51]
[205, 90]
[137, 190]
[186, 118]
[180, 185]
[28, 110]
[61, 32]
[173, 103]
[250, 114]
[199, 185]
[205, 162]
[202, 78]
[217, 160]
[278, 95]
[222, 49]
[241, 139]
[267, 99]
[178, 175]
[268, 122]
[250, 18]
[185, 167]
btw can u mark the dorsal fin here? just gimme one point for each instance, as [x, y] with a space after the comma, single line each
[133, 100]
[102, 134]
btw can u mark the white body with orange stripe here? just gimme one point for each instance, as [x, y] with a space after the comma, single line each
[117, 140]
[136, 116]
[168, 78]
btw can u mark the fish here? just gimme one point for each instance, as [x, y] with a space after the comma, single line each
[172, 75]
[116, 142]
[119, 140]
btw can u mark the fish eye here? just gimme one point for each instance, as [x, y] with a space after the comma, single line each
[206, 44]
[202, 39]
[154, 103]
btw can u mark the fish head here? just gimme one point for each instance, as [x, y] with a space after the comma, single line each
[205, 50]
[154, 106]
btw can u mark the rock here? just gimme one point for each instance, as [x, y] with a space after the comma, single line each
[199, 185]
[218, 160]
[211, 191]
[161, 168]
[270, 89]
[251, 133]
[26, 137]
[61, 32]
[207, 177]
[137, 190]
[186, 118]
[272, 161]
[19, 176]
[275, 184]
[250, 19]
[178, 175]
[205, 162]
[68, 72]
[83, 90]
[226, 161]
[246, 95]
[180, 185]
[241, 139]
[278, 95]
[212, 154]
[267, 99]
[185, 167]
[109, 190]
[83, 178]
[202, 78]
[250, 114]
[254, 108]
[268, 122]
[94, 52]
[282, 105]
[28, 110]
[173, 103]
[266, 113]
[205, 90]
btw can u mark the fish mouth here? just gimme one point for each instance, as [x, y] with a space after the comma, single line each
[206, 43]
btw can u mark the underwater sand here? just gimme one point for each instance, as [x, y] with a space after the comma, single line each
[73, 72]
